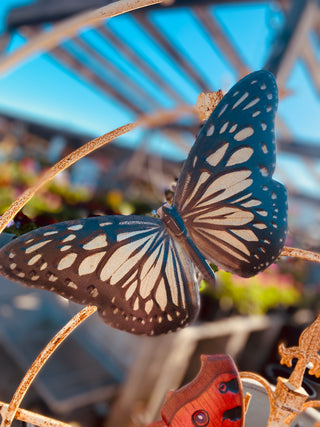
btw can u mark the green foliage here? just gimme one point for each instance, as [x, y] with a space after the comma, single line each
[257, 295]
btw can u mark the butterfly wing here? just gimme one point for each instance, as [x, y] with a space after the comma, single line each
[140, 279]
[234, 211]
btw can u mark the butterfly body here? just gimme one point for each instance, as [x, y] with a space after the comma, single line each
[175, 226]
[141, 272]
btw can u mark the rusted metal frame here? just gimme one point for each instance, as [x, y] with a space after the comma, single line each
[300, 148]
[139, 63]
[312, 169]
[312, 64]
[290, 42]
[168, 47]
[124, 79]
[62, 55]
[282, 126]
[50, 11]
[304, 198]
[216, 33]
[72, 62]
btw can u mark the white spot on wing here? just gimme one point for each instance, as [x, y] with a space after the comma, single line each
[251, 203]
[151, 271]
[131, 290]
[241, 99]
[149, 306]
[67, 261]
[244, 133]
[49, 233]
[170, 272]
[34, 259]
[251, 103]
[240, 156]
[223, 110]
[44, 266]
[72, 285]
[233, 128]
[136, 304]
[69, 238]
[247, 235]
[75, 227]
[37, 246]
[210, 131]
[89, 264]
[161, 295]
[223, 127]
[217, 156]
[104, 224]
[96, 243]
[260, 225]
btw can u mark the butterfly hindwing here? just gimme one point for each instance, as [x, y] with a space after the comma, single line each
[129, 267]
[232, 208]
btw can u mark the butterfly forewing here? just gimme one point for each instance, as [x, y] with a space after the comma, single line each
[140, 279]
[232, 208]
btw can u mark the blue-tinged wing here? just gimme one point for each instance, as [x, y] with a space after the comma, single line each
[140, 279]
[232, 208]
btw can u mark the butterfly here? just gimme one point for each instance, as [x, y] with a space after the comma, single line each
[142, 272]
[213, 399]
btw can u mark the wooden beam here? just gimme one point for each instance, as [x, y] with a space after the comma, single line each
[302, 149]
[304, 198]
[143, 66]
[215, 32]
[43, 11]
[174, 54]
[312, 64]
[71, 61]
[290, 42]
[124, 79]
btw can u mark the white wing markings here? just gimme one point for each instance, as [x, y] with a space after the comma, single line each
[122, 260]
[226, 186]
[67, 261]
[97, 242]
[37, 246]
[240, 156]
[90, 263]
[151, 271]
[227, 249]
[226, 216]
[244, 133]
[217, 156]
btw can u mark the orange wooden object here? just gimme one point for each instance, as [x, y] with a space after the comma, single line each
[214, 398]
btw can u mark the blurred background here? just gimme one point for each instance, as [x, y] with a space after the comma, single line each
[52, 102]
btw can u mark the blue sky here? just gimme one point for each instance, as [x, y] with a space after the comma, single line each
[42, 90]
